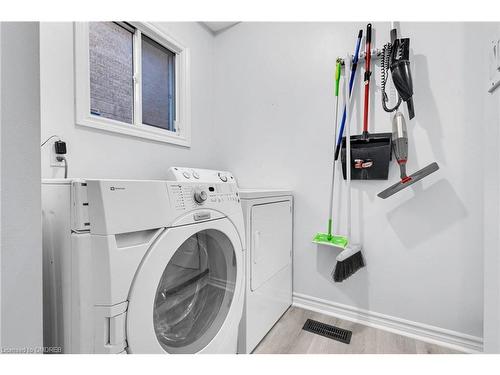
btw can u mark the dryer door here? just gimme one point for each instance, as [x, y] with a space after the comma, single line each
[271, 242]
[186, 296]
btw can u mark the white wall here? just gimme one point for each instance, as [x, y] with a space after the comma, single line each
[92, 153]
[423, 247]
[20, 207]
[491, 214]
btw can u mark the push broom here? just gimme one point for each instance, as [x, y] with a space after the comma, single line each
[350, 259]
[328, 238]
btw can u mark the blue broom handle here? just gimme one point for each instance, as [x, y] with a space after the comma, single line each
[351, 84]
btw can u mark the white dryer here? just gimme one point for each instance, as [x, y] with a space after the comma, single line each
[268, 217]
[142, 266]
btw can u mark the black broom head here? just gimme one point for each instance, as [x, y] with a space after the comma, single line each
[347, 267]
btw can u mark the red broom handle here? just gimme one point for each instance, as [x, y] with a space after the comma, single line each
[367, 75]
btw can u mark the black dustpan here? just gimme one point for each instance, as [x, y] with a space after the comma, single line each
[370, 153]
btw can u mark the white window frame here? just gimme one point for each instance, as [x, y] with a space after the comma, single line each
[182, 123]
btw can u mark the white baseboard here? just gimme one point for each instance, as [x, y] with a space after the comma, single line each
[435, 335]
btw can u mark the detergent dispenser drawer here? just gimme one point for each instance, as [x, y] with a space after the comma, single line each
[271, 241]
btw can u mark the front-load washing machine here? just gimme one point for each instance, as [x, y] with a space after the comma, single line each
[142, 266]
[268, 215]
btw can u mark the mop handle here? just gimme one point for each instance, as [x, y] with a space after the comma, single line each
[338, 69]
[348, 156]
[367, 76]
[351, 84]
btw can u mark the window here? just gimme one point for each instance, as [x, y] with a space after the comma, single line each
[131, 78]
[111, 71]
[158, 85]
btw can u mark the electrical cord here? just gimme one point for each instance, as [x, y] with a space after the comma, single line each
[62, 158]
[384, 73]
[48, 139]
[59, 157]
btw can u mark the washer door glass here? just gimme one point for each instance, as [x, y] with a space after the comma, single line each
[195, 292]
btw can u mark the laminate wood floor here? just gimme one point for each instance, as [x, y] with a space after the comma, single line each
[287, 337]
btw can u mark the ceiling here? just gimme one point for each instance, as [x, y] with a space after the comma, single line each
[218, 27]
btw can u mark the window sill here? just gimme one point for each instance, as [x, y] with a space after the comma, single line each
[144, 132]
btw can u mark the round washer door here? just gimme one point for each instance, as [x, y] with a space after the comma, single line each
[185, 297]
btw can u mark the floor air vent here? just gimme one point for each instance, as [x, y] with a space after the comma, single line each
[326, 330]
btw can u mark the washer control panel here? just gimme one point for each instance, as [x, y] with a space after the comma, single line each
[197, 174]
[192, 196]
[200, 195]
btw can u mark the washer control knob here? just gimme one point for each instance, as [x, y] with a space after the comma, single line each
[223, 177]
[195, 174]
[186, 174]
[200, 195]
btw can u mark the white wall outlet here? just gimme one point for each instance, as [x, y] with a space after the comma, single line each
[494, 62]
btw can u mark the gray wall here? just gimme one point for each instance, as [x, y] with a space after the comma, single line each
[20, 207]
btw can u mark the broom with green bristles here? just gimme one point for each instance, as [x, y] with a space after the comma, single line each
[328, 238]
